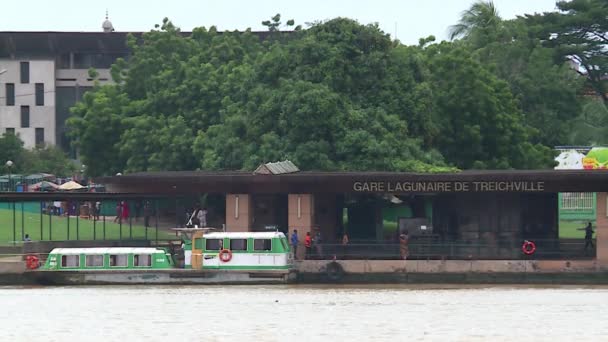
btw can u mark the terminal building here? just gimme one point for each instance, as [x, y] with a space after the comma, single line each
[496, 210]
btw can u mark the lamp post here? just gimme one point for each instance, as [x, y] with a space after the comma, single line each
[82, 169]
[9, 164]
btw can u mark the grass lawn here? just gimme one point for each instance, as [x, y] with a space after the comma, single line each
[58, 227]
[568, 229]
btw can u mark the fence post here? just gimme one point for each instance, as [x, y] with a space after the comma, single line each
[77, 220]
[68, 218]
[14, 226]
[41, 218]
[22, 222]
[156, 215]
[50, 227]
[104, 224]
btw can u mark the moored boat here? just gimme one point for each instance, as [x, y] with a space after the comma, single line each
[213, 258]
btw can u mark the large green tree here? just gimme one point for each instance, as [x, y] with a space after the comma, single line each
[579, 33]
[482, 127]
[47, 159]
[337, 96]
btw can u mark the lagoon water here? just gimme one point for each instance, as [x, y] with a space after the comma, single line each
[303, 313]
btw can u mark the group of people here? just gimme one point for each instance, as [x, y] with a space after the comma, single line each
[309, 242]
[198, 218]
[123, 211]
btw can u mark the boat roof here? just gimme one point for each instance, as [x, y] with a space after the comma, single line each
[244, 235]
[107, 250]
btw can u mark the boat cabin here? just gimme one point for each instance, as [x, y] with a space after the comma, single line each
[113, 258]
[241, 251]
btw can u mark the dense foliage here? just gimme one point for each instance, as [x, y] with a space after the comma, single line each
[339, 96]
[47, 159]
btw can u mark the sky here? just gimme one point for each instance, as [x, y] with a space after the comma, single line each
[407, 20]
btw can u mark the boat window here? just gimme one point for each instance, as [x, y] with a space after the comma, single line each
[262, 244]
[238, 244]
[142, 260]
[94, 260]
[214, 244]
[70, 260]
[118, 260]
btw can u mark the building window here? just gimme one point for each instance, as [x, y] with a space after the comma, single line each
[238, 244]
[25, 116]
[70, 261]
[578, 201]
[39, 94]
[10, 130]
[142, 260]
[10, 94]
[25, 72]
[118, 260]
[94, 260]
[39, 136]
[262, 244]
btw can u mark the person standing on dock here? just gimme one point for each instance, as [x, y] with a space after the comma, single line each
[202, 217]
[317, 242]
[294, 243]
[588, 235]
[404, 240]
[308, 245]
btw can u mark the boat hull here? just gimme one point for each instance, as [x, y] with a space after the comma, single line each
[160, 277]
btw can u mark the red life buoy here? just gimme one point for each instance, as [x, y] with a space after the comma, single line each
[32, 262]
[528, 247]
[225, 255]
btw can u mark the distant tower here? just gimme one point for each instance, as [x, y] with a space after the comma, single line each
[107, 24]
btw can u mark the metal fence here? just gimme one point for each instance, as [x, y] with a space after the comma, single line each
[74, 220]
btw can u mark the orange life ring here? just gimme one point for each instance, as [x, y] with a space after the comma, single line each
[32, 262]
[225, 255]
[528, 247]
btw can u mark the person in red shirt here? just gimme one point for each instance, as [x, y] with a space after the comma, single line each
[308, 245]
[125, 211]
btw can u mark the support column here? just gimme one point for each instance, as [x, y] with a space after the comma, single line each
[601, 232]
[301, 217]
[239, 213]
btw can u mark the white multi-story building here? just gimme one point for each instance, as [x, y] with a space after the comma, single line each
[28, 102]
[43, 74]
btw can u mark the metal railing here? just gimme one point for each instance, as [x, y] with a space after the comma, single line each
[453, 250]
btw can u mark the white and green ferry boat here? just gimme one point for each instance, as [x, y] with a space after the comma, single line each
[213, 258]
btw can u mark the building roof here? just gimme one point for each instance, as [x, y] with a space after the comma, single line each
[276, 168]
[31, 44]
[183, 182]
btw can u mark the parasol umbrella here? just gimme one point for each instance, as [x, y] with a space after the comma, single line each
[43, 186]
[71, 185]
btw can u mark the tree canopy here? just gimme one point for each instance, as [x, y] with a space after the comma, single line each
[47, 159]
[338, 95]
